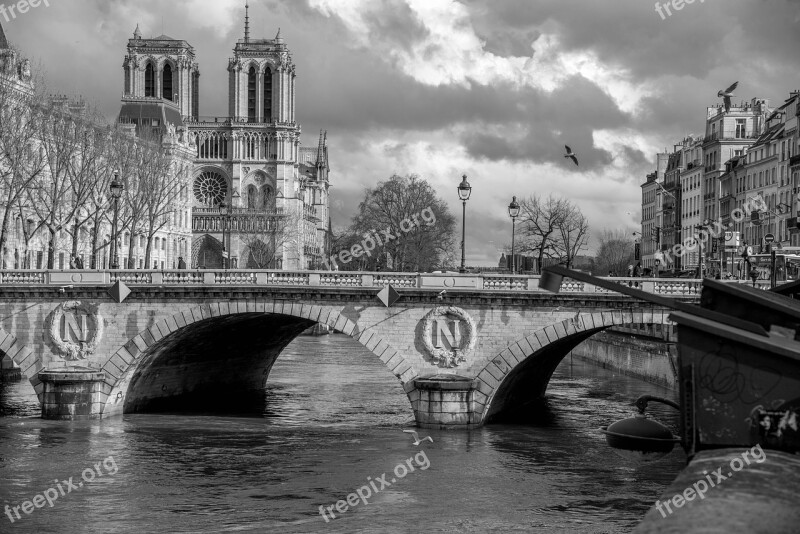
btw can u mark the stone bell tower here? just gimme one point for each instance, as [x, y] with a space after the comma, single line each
[162, 68]
[261, 80]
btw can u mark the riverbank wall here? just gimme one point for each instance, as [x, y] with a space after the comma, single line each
[647, 352]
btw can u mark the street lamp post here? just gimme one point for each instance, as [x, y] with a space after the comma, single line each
[222, 207]
[464, 191]
[116, 187]
[513, 212]
[701, 263]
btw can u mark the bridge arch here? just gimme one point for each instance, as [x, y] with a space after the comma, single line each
[133, 370]
[520, 373]
[24, 357]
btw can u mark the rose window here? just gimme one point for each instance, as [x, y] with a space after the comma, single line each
[210, 189]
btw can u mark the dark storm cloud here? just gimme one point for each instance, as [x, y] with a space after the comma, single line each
[548, 122]
[394, 23]
[363, 92]
[631, 33]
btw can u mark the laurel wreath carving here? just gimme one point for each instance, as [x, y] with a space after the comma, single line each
[444, 357]
[74, 351]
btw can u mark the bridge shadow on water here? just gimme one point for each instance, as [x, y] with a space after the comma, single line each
[218, 365]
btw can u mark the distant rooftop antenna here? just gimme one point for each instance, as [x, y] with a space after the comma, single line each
[246, 22]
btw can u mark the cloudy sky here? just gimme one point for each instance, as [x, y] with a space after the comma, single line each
[490, 88]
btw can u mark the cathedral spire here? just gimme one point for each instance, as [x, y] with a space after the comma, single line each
[319, 150]
[246, 22]
[136, 33]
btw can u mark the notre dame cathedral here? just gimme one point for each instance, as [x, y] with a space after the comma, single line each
[258, 198]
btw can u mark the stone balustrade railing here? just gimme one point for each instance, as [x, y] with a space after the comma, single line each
[675, 287]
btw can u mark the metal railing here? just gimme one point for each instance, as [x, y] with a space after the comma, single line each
[450, 281]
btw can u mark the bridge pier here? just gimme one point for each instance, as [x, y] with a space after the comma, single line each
[444, 402]
[72, 393]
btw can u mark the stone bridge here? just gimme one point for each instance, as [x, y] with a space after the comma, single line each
[467, 349]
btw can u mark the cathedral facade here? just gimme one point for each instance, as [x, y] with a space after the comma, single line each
[259, 199]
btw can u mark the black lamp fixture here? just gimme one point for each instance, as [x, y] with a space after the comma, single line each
[116, 187]
[464, 191]
[222, 207]
[513, 212]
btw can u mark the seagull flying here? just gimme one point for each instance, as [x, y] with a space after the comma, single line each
[441, 294]
[570, 154]
[417, 441]
[727, 94]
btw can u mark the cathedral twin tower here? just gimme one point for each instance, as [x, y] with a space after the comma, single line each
[259, 199]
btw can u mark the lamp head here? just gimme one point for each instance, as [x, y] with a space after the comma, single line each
[116, 186]
[464, 189]
[513, 208]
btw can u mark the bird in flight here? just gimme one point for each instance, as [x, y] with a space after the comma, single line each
[417, 441]
[727, 94]
[570, 154]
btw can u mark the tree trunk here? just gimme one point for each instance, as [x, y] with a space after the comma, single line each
[95, 238]
[75, 233]
[147, 252]
[131, 259]
[51, 249]
[3, 237]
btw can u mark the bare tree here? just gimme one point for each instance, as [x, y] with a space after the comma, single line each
[21, 161]
[411, 223]
[99, 202]
[135, 195]
[87, 174]
[614, 252]
[50, 193]
[163, 180]
[573, 236]
[552, 227]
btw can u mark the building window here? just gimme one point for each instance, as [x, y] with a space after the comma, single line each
[740, 129]
[210, 188]
[252, 197]
[251, 95]
[166, 82]
[268, 95]
[266, 197]
[149, 81]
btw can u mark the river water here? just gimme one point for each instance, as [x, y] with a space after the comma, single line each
[333, 424]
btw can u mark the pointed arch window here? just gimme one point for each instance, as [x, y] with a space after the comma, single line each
[266, 197]
[252, 197]
[166, 82]
[251, 95]
[268, 95]
[149, 80]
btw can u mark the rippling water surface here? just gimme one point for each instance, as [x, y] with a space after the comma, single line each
[334, 420]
